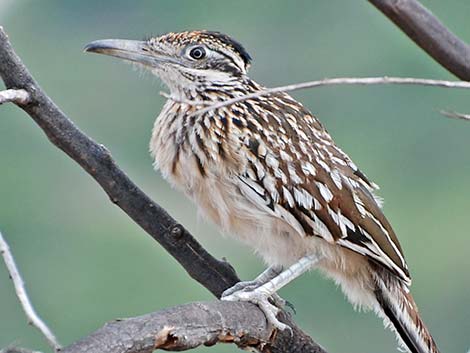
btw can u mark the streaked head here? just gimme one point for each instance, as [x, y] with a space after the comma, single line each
[182, 60]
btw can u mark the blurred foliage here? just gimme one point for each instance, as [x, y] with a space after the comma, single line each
[85, 262]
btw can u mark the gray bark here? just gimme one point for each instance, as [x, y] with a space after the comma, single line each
[429, 33]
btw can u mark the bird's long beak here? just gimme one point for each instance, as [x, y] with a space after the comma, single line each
[131, 50]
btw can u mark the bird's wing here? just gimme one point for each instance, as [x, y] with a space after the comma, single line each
[297, 173]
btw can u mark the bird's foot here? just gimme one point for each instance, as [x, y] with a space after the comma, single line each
[247, 286]
[242, 286]
[262, 279]
[269, 304]
[278, 301]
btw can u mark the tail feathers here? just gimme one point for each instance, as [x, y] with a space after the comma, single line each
[400, 309]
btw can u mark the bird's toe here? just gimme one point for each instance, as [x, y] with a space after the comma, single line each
[240, 287]
[262, 300]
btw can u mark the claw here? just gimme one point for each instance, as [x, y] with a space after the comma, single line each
[261, 299]
[290, 306]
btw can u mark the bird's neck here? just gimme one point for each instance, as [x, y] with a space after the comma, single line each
[214, 91]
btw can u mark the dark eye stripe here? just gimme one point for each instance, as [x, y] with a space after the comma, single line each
[228, 57]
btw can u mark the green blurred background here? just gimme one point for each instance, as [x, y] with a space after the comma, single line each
[85, 262]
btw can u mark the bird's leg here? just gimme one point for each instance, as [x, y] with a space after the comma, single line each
[261, 294]
[262, 278]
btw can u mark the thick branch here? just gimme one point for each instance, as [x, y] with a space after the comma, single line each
[429, 33]
[188, 326]
[95, 159]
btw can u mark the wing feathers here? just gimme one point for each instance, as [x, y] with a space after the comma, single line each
[303, 178]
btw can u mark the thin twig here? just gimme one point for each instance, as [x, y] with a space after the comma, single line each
[455, 115]
[17, 96]
[339, 81]
[20, 290]
[13, 349]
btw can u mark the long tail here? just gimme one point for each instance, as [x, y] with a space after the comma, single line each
[400, 309]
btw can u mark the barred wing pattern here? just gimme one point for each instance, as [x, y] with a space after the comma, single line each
[297, 173]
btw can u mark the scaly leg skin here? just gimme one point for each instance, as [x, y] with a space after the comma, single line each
[261, 294]
[262, 278]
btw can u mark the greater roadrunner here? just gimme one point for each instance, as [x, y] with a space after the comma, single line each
[265, 170]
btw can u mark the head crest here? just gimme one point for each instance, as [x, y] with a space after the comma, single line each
[230, 42]
[187, 37]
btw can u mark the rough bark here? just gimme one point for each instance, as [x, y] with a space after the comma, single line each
[429, 33]
[188, 326]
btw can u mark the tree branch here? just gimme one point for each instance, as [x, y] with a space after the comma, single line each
[17, 96]
[328, 82]
[22, 295]
[96, 160]
[175, 329]
[455, 115]
[429, 33]
[13, 349]
[191, 325]
[185, 327]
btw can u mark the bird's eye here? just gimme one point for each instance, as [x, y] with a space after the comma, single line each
[197, 53]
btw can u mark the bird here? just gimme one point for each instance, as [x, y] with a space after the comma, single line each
[265, 170]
